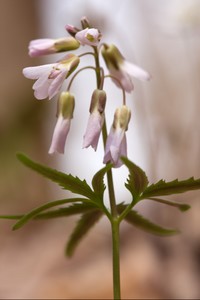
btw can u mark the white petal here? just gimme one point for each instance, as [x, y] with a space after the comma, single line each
[135, 71]
[56, 84]
[41, 87]
[36, 72]
[59, 136]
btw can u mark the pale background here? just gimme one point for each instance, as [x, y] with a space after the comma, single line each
[162, 36]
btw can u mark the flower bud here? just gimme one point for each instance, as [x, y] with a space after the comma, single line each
[89, 36]
[72, 30]
[85, 22]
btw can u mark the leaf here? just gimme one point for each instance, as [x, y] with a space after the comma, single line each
[180, 206]
[66, 211]
[162, 188]
[32, 214]
[137, 180]
[98, 181]
[11, 217]
[85, 223]
[139, 221]
[68, 182]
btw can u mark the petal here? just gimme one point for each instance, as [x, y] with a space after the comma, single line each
[93, 131]
[36, 72]
[124, 79]
[59, 136]
[56, 84]
[135, 71]
[41, 87]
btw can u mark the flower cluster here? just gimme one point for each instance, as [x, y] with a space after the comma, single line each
[50, 77]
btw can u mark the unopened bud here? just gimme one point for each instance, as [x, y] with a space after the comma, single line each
[72, 30]
[85, 23]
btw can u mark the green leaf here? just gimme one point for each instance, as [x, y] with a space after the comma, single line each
[85, 223]
[162, 188]
[67, 211]
[98, 181]
[139, 221]
[68, 182]
[137, 180]
[180, 206]
[11, 217]
[32, 214]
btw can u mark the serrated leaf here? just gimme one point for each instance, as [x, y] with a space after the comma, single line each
[32, 214]
[139, 221]
[137, 180]
[98, 181]
[180, 206]
[68, 182]
[162, 188]
[67, 211]
[85, 223]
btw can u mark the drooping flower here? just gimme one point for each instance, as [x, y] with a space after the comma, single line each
[121, 69]
[48, 46]
[89, 36]
[116, 145]
[96, 119]
[65, 114]
[50, 77]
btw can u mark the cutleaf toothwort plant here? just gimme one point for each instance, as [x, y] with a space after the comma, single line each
[90, 204]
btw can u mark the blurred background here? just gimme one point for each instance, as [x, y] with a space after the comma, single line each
[162, 37]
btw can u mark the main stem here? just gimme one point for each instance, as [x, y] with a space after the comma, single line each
[114, 214]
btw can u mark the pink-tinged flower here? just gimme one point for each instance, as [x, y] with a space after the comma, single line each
[89, 36]
[116, 145]
[50, 77]
[65, 114]
[121, 69]
[96, 119]
[48, 46]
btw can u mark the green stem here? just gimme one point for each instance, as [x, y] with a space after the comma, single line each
[116, 261]
[114, 213]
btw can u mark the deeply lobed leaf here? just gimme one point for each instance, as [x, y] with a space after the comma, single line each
[139, 221]
[98, 181]
[68, 182]
[162, 188]
[137, 180]
[85, 223]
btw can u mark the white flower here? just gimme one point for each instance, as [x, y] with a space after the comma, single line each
[50, 77]
[121, 69]
[65, 114]
[116, 145]
[96, 119]
[48, 46]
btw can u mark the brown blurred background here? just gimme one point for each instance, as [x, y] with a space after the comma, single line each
[162, 37]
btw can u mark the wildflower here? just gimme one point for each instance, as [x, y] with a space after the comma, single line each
[116, 145]
[50, 77]
[121, 69]
[89, 36]
[96, 119]
[48, 46]
[65, 114]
